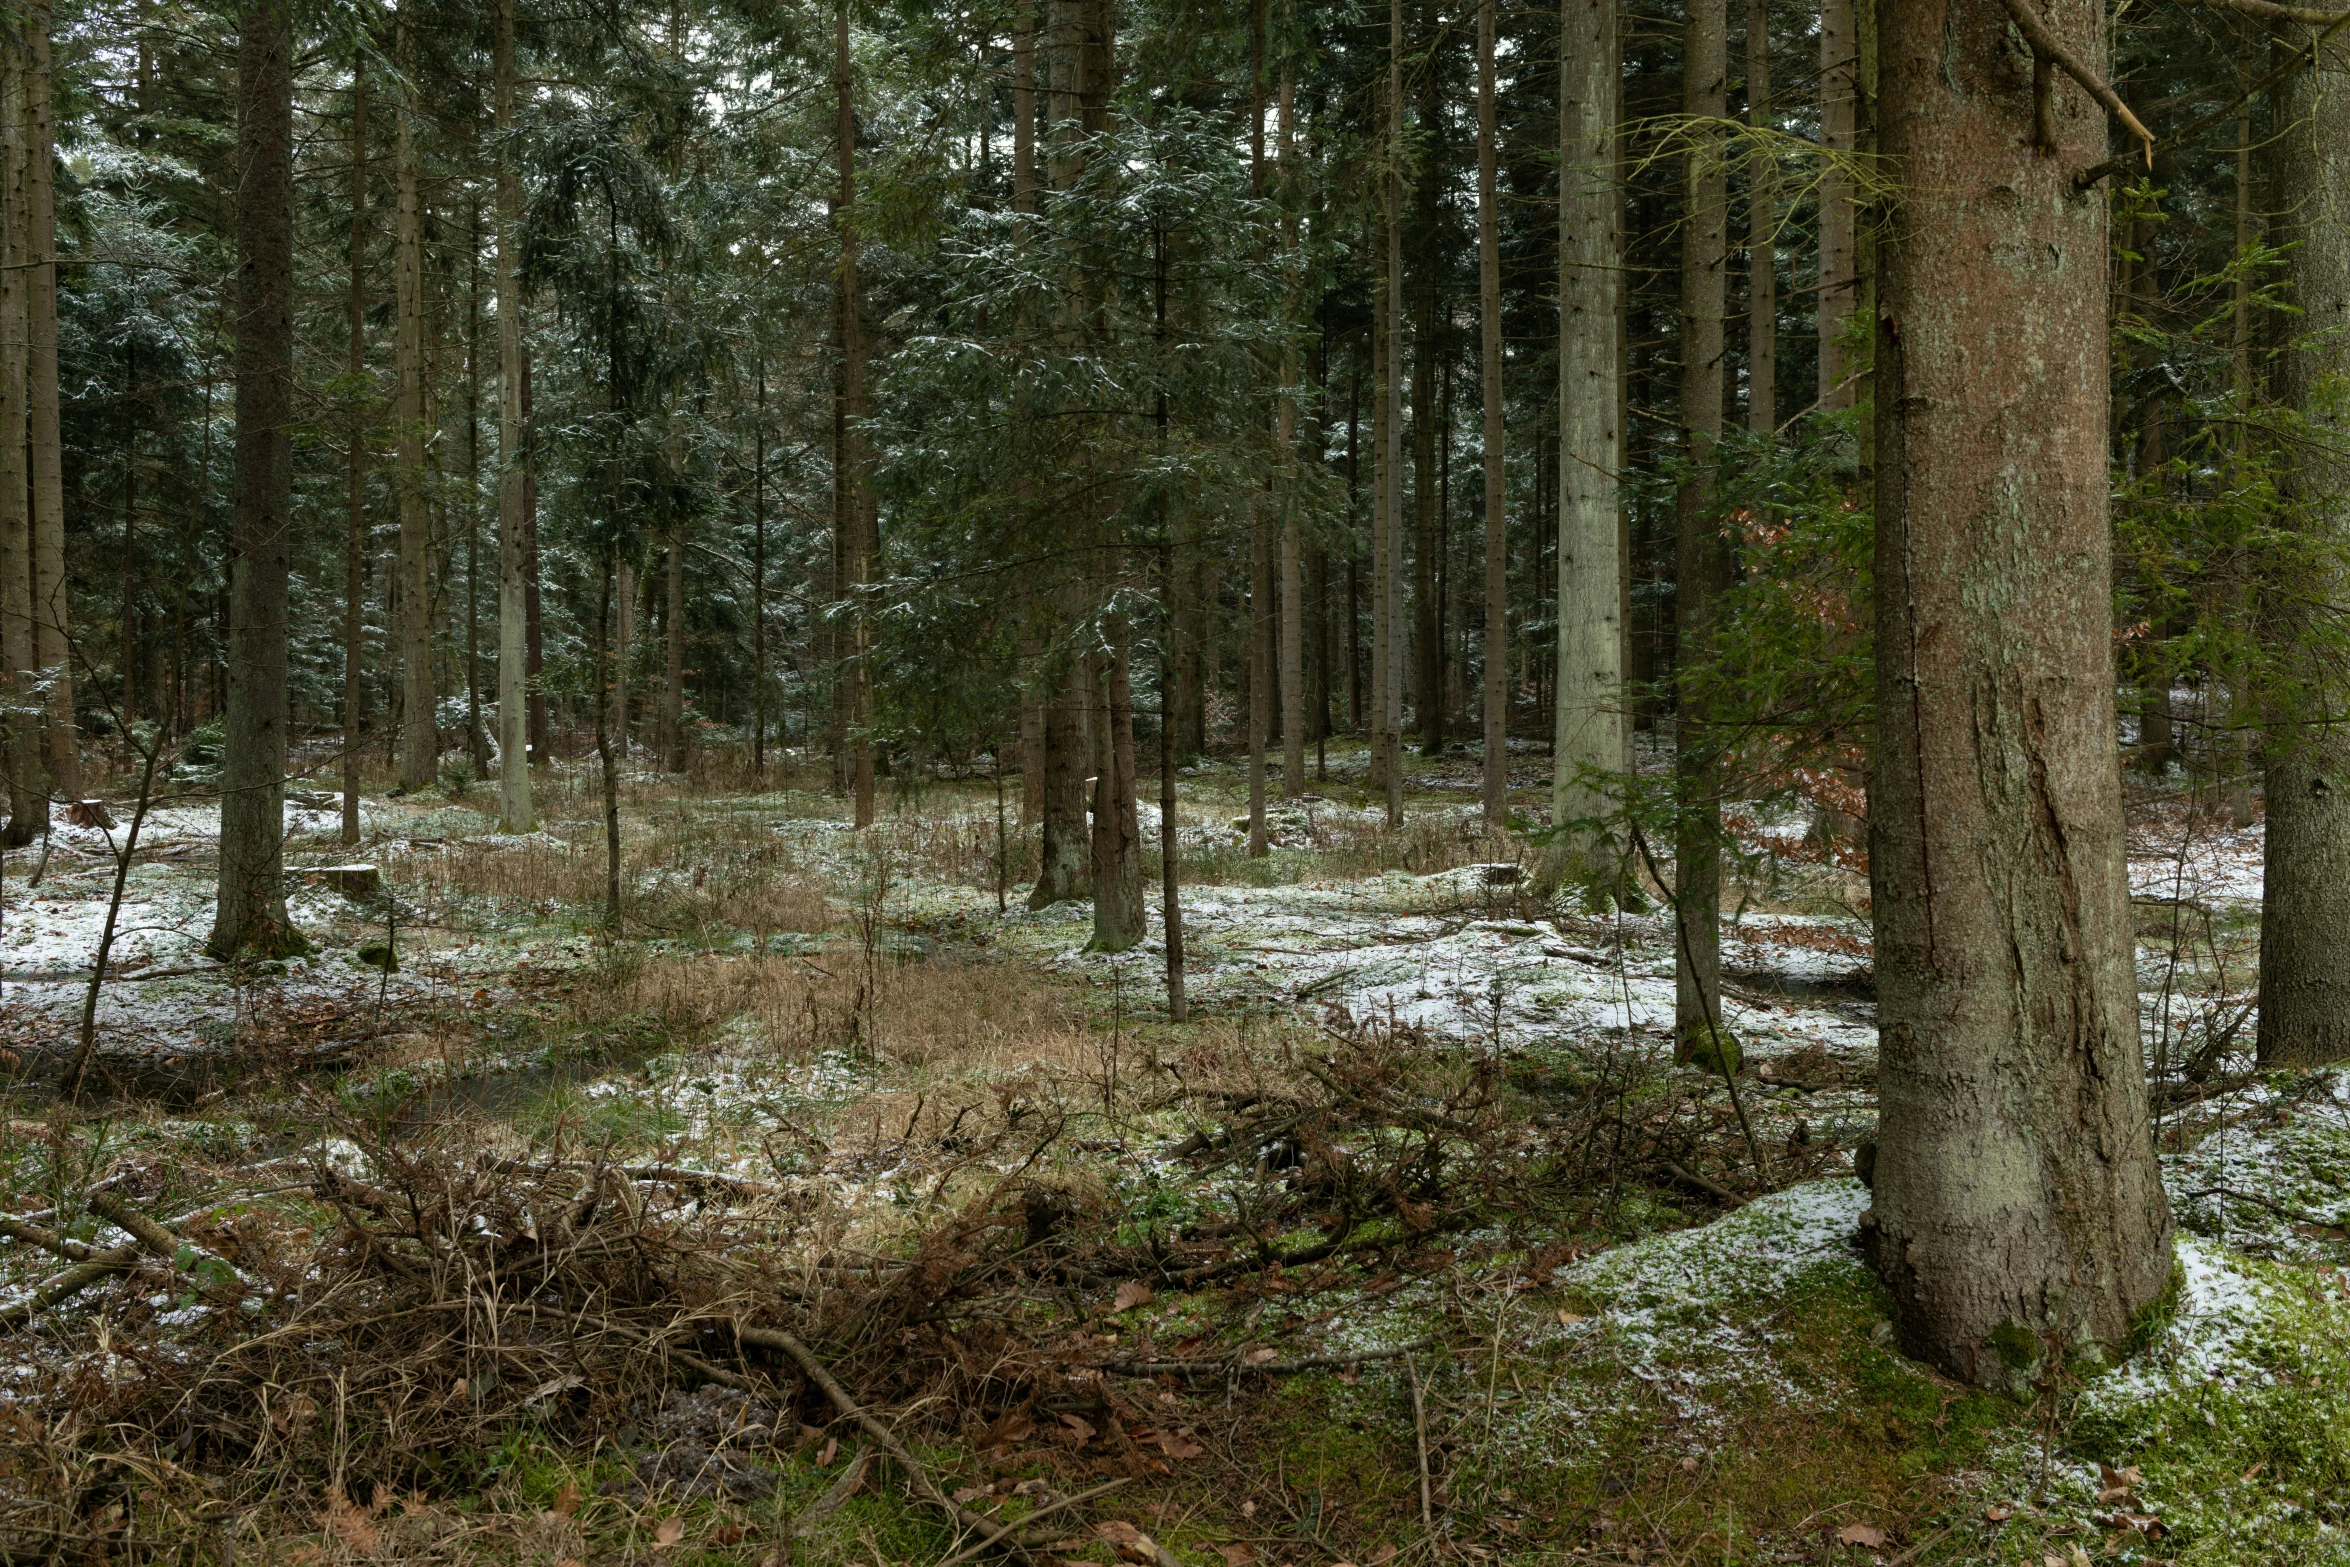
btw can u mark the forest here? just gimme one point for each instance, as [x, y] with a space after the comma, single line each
[1174, 783]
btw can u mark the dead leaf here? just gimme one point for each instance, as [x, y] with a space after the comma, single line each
[1030, 1487]
[2254, 1470]
[1568, 1319]
[668, 1533]
[1131, 1294]
[1689, 1466]
[831, 1451]
[968, 1492]
[1128, 1539]
[566, 1501]
[732, 1534]
[1999, 1514]
[349, 1523]
[1175, 1446]
[1867, 1535]
[1240, 1555]
[1081, 1430]
[1248, 1509]
[1256, 1357]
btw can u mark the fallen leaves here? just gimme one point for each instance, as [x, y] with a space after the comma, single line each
[668, 1532]
[1131, 1294]
[566, 1501]
[1127, 1540]
[1866, 1535]
[1256, 1357]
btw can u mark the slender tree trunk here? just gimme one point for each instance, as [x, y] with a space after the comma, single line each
[2019, 1216]
[2305, 904]
[515, 563]
[1762, 263]
[1292, 638]
[419, 731]
[51, 621]
[1260, 531]
[355, 476]
[533, 642]
[250, 915]
[28, 789]
[1838, 290]
[624, 591]
[1064, 852]
[1428, 349]
[1118, 913]
[1701, 555]
[673, 649]
[607, 765]
[1589, 738]
[1392, 717]
[476, 739]
[759, 581]
[854, 517]
[1497, 537]
[1382, 480]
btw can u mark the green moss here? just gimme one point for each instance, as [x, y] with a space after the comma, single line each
[2016, 1345]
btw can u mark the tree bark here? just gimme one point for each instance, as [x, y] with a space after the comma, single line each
[1118, 914]
[1590, 739]
[28, 787]
[852, 483]
[1428, 348]
[1837, 290]
[419, 722]
[1260, 529]
[50, 620]
[1292, 562]
[1762, 260]
[1382, 479]
[1701, 552]
[1497, 536]
[355, 473]
[2305, 902]
[1063, 852]
[250, 915]
[515, 812]
[624, 590]
[2019, 1214]
[1392, 717]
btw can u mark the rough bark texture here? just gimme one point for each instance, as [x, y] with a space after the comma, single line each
[62, 738]
[1762, 260]
[250, 915]
[1391, 455]
[1118, 916]
[420, 744]
[1497, 537]
[28, 793]
[1701, 563]
[1292, 562]
[853, 516]
[1590, 734]
[1382, 480]
[673, 737]
[515, 813]
[2305, 903]
[1428, 349]
[2019, 1211]
[623, 651]
[355, 472]
[1839, 101]
[1063, 852]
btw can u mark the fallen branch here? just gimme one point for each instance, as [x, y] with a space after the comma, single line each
[68, 1284]
[48, 1240]
[916, 1475]
[1053, 1506]
[148, 1233]
[1201, 1366]
[1713, 1189]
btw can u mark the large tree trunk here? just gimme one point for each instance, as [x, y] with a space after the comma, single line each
[1118, 914]
[250, 915]
[1292, 565]
[355, 473]
[1391, 766]
[28, 791]
[2305, 904]
[1497, 536]
[1063, 852]
[853, 515]
[2019, 1212]
[1837, 292]
[1701, 554]
[50, 620]
[1260, 528]
[1382, 478]
[515, 813]
[1428, 349]
[420, 744]
[1590, 734]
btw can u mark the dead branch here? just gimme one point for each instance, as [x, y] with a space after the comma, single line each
[2049, 47]
[1222, 1365]
[148, 1233]
[1053, 1506]
[66, 1285]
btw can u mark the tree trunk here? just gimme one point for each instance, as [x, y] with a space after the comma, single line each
[1118, 914]
[1382, 479]
[1701, 553]
[355, 477]
[515, 813]
[1428, 348]
[533, 640]
[1837, 290]
[1762, 261]
[853, 503]
[623, 651]
[2305, 903]
[419, 732]
[28, 789]
[2019, 1214]
[1392, 718]
[476, 739]
[1497, 537]
[1260, 530]
[673, 649]
[1589, 738]
[250, 916]
[1292, 567]
[50, 620]
[1063, 852]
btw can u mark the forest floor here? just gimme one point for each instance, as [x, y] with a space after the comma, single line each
[489, 1236]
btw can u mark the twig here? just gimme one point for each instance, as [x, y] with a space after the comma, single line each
[840, 1491]
[1054, 1506]
[2049, 47]
[68, 1284]
[48, 1240]
[2279, 1209]
[1710, 1188]
[884, 1438]
[1420, 1434]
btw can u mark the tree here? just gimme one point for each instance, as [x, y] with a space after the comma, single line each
[420, 744]
[249, 916]
[52, 617]
[514, 795]
[2305, 899]
[355, 470]
[2019, 1216]
[28, 788]
[1497, 538]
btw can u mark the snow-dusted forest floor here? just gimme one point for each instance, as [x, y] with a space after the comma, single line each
[1413, 1241]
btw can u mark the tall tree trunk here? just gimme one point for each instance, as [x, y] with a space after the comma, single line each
[2305, 903]
[673, 651]
[533, 638]
[355, 474]
[1497, 537]
[1428, 350]
[2019, 1215]
[853, 517]
[1118, 914]
[50, 620]
[1589, 737]
[759, 581]
[1382, 479]
[1701, 554]
[1292, 637]
[419, 730]
[28, 788]
[1392, 454]
[515, 813]
[1837, 290]
[1260, 528]
[250, 915]
[1762, 262]
[476, 740]
[624, 591]
[1064, 852]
